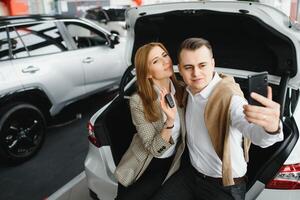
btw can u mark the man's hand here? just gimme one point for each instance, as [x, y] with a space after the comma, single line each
[267, 116]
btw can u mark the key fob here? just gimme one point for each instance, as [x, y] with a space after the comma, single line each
[169, 100]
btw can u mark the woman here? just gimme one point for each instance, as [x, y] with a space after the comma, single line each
[155, 151]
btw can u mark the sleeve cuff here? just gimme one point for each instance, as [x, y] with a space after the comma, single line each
[278, 131]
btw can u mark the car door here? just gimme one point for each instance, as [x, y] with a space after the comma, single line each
[42, 61]
[102, 64]
[8, 81]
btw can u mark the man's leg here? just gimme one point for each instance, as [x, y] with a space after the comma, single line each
[213, 189]
[237, 192]
[209, 190]
[178, 187]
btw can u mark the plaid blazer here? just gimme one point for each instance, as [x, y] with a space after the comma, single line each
[146, 144]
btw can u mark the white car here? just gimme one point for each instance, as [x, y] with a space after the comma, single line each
[110, 18]
[246, 38]
[47, 63]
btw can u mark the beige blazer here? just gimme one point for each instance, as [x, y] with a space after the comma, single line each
[146, 144]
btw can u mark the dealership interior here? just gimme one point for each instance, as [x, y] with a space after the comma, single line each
[53, 93]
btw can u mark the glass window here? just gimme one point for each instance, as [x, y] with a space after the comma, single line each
[117, 14]
[4, 45]
[102, 15]
[85, 36]
[36, 39]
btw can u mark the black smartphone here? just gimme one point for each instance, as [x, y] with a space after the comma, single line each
[257, 83]
[169, 100]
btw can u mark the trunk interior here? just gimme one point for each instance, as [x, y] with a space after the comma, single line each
[239, 41]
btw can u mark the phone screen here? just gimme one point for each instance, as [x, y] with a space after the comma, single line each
[257, 83]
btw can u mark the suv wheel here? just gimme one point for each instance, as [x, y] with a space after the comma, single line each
[22, 132]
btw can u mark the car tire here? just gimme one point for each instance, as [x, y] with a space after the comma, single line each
[22, 132]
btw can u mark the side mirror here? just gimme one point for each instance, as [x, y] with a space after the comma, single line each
[114, 38]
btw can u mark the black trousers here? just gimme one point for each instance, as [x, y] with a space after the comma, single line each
[149, 183]
[187, 184]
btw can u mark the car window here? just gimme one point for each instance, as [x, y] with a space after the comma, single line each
[85, 36]
[102, 15]
[116, 14]
[36, 39]
[4, 45]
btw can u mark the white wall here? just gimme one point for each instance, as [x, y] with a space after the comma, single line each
[3, 9]
[121, 2]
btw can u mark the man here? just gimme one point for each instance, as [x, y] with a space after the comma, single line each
[218, 120]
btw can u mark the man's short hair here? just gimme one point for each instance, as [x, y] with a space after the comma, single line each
[193, 44]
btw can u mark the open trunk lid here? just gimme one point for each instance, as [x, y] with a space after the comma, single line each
[244, 36]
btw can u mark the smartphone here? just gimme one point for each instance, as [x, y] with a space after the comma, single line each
[257, 83]
[169, 100]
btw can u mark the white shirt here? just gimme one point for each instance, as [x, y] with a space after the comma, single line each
[175, 130]
[202, 154]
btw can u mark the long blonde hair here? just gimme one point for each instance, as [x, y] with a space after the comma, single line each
[145, 84]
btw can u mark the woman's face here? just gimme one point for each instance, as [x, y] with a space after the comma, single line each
[159, 64]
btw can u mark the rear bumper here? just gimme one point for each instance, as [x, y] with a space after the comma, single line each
[99, 168]
[268, 194]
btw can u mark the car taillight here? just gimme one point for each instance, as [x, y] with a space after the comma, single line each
[288, 178]
[92, 138]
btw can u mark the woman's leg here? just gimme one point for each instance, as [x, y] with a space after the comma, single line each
[141, 190]
[148, 183]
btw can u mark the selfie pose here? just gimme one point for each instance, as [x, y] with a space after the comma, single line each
[155, 151]
[220, 125]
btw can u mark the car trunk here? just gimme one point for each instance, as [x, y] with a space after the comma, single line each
[239, 41]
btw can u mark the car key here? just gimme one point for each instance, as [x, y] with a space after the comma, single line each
[169, 100]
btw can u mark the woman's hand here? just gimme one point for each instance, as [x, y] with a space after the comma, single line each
[267, 116]
[170, 112]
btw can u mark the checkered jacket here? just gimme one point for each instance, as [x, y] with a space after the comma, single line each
[146, 144]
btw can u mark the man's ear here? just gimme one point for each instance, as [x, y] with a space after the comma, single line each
[213, 62]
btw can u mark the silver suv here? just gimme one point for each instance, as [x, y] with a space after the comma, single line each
[46, 63]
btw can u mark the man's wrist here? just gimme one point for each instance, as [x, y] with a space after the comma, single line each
[275, 132]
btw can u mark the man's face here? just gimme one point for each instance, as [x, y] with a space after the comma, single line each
[196, 67]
